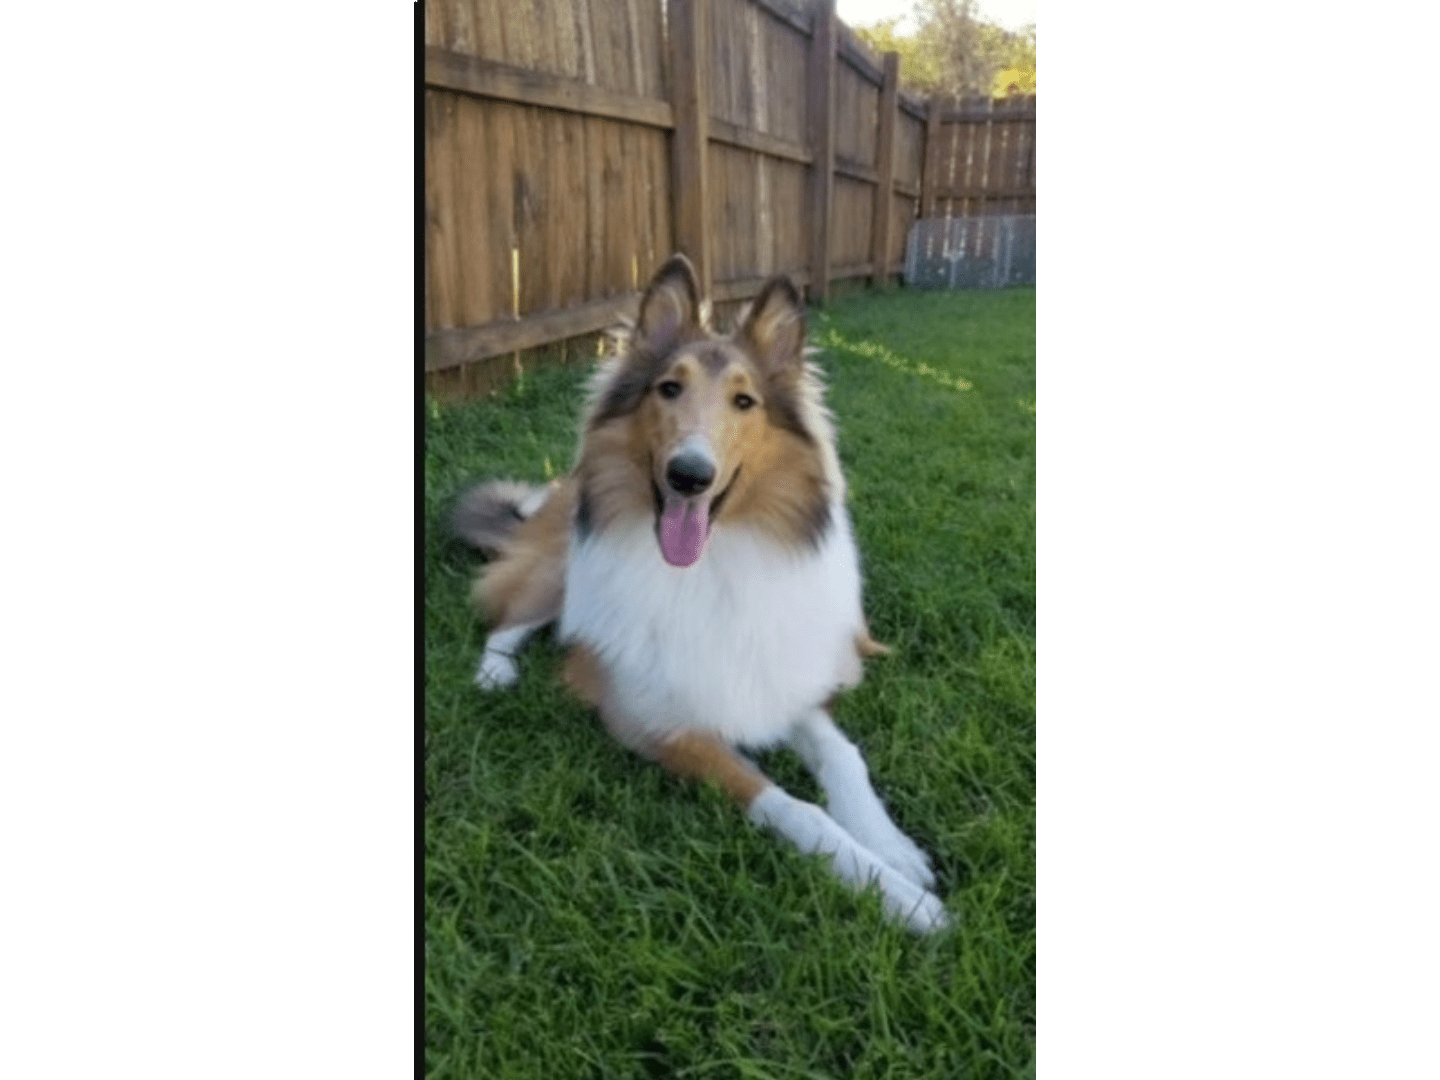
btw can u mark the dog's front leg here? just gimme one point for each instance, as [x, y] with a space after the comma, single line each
[837, 764]
[497, 663]
[703, 756]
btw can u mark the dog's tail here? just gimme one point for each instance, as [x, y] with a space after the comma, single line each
[485, 515]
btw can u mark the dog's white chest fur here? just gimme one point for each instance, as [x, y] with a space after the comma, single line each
[742, 643]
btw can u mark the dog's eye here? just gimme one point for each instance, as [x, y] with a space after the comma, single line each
[669, 389]
[743, 401]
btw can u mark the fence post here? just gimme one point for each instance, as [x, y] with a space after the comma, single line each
[690, 171]
[930, 166]
[884, 212]
[821, 101]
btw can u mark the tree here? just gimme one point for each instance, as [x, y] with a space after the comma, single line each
[1015, 54]
[920, 67]
[952, 52]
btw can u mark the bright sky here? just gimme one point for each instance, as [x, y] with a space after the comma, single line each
[1011, 14]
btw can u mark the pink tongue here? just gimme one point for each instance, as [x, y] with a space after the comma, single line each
[684, 524]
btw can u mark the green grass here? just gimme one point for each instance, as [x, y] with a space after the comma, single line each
[588, 916]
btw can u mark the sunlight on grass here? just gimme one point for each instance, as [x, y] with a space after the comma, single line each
[830, 338]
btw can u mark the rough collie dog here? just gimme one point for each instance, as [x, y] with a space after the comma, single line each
[701, 564]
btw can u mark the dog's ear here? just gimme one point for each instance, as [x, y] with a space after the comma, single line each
[774, 327]
[670, 307]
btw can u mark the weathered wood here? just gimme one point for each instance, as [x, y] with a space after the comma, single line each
[857, 101]
[733, 135]
[930, 170]
[688, 19]
[985, 194]
[972, 113]
[902, 213]
[881, 219]
[913, 105]
[485, 78]
[627, 220]
[476, 256]
[852, 204]
[744, 288]
[596, 280]
[854, 52]
[910, 191]
[440, 207]
[986, 181]
[821, 100]
[790, 14]
[855, 171]
[451, 348]
[853, 270]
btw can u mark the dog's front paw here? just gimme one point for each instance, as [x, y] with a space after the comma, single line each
[927, 916]
[879, 834]
[905, 855]
[497, 671]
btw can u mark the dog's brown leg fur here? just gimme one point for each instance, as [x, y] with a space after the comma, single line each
[695, 755]
[701, 756]
[584, 675]
[867, 646]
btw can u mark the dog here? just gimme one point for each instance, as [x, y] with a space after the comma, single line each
[702, 567]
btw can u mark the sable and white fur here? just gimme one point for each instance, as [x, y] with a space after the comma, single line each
[701, 564]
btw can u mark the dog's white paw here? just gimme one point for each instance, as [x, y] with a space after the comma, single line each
[903, 854]
[814, 831]
[877, 832]
[925, 916]
[920, 909]
[497, 671]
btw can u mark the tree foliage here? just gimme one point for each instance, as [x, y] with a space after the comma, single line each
[951, 50]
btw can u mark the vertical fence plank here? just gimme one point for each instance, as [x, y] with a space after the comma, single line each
[440, 207]
[688, 20]
[821, 97]
[930, 158]
[881, 218]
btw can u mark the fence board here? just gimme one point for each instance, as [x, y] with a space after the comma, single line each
[858, 57]
[857, 104]
[790, 12]
[787, 57]
[450, 348]
[474, 265]
[821, 104]
[909, 144]
[881, 216]
[904, 209]
[690, 146]
[930, 167]
[722, 131]
[487, 78]
[440, 207]
[850, 222]
[596, 243]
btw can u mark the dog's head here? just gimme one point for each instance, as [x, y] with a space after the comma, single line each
[717, 423]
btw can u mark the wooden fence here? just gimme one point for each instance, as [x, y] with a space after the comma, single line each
[571, 145]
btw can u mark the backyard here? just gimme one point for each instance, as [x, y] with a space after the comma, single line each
[586, 915]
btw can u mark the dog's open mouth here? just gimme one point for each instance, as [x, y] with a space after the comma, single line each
[683, 523]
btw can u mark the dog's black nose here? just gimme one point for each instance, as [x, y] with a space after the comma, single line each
[689, 474]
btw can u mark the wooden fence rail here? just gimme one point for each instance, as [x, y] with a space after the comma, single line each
[571, 145]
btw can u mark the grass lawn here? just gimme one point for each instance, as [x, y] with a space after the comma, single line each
[587, 916]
